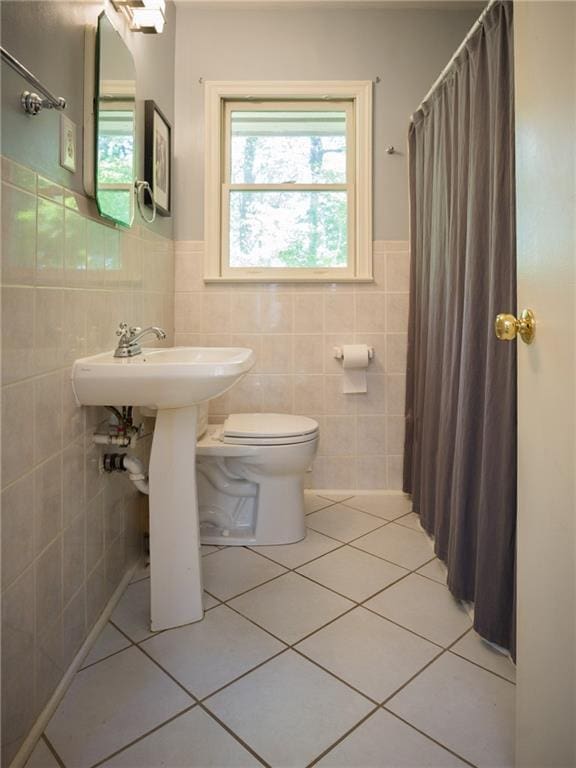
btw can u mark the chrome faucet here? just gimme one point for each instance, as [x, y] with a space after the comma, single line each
[128, 345]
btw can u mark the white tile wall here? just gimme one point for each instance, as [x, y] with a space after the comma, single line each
[292, 329]
[67, 534]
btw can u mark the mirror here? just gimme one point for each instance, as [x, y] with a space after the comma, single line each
[115, 125]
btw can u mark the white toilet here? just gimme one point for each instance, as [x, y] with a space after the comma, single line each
[250, 474]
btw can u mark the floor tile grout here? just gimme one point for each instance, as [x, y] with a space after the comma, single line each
[342, 737]
[200, 701]
[52, 749]
[430, 738]
[144, 735]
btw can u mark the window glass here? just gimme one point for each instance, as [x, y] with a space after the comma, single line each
[288, 147]
[288, 229]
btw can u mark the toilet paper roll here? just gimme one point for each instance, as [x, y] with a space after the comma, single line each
[355, 356]
[355, 362]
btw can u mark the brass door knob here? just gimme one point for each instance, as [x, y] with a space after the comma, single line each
[508, 326]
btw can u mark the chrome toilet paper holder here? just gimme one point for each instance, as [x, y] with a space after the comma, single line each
[339, 354]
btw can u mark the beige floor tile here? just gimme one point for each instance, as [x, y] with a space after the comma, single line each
[192, 740]
[109, 641]
[387, 506]
[208, 549]
[467, 709]
[387, 742]
[291, 607]
[399, 545]
[234, 570]
[335, 496]
[209, 601]
[474, 648]
[353, 573]
[342, 523]
[110, 704]
[42, 757]
[435, 570]
[411, 520]
[289, 711]
[350, 646]
[424, 607]
[293, 555]
[313, 503]
[132, 614]
[209, 654]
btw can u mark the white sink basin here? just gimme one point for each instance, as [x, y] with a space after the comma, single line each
[173, 377]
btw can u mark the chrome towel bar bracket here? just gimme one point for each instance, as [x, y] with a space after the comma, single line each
[32, 103]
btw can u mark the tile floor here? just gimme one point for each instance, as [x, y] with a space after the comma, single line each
[345, 649]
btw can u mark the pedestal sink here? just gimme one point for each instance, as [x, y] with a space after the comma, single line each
[172, 381]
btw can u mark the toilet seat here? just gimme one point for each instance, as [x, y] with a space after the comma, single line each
[268, 429]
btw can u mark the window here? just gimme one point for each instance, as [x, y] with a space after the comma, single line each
[288, 182]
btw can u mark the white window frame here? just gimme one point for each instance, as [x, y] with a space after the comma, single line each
[216, 187]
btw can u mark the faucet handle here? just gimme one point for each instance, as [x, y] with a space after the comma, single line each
[134, 330]
[122, 329]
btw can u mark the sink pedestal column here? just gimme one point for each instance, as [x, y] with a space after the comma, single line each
[175, 569]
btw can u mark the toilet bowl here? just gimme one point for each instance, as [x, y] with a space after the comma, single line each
[250, 476]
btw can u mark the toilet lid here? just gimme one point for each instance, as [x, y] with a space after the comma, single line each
[272, 427]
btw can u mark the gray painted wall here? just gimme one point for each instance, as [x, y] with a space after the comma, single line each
[48, 38]
[407, 49]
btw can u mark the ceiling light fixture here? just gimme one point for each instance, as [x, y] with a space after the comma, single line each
[148, 16]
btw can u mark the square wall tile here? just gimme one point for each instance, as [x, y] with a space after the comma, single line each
[50, 243]
[18, 236]
[17, 443]
[17, 340]
[308, 313]
[371, 313]
[17, 529]
[339, 311]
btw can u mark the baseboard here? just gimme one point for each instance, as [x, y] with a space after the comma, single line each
[23, 754]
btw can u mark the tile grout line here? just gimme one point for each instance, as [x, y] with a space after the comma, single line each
[343, 737]
[200, 702]
[52, 750]
[430, 738]
[144, 735]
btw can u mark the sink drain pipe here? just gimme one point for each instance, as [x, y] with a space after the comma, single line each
[124, 462]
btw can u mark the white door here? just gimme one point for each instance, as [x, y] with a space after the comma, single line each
[544, 39]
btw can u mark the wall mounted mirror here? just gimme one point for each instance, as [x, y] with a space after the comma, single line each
[110, 171]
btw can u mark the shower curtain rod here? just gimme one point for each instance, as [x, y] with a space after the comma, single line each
[477, 24]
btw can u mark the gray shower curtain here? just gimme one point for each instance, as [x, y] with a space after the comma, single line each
[460, 450]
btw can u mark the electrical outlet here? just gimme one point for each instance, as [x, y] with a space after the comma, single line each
[67, 143]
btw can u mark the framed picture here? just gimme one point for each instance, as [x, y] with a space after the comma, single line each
[157, 157]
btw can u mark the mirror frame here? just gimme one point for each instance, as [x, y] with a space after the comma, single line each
[92, 90]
